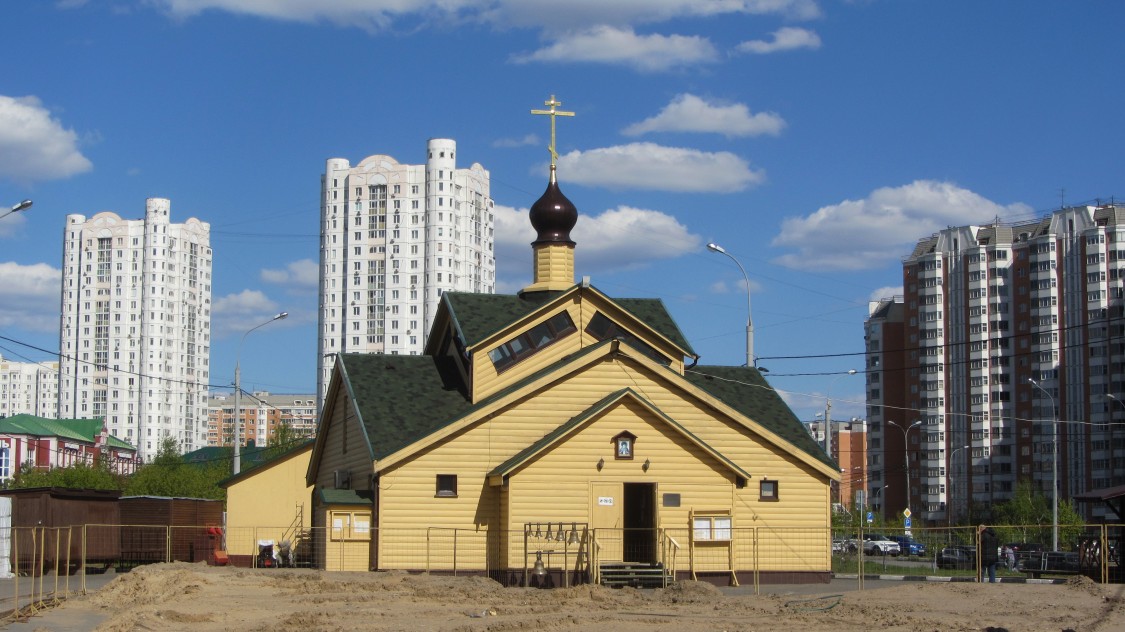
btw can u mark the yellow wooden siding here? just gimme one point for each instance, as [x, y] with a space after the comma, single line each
[356, 459]
[561, 490]
[265, 504]
[487, 380]
[345, 549]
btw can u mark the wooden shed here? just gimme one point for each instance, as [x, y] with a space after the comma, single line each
[42, 521]
[159, 529]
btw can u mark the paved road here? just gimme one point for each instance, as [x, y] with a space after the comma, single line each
[51, 619]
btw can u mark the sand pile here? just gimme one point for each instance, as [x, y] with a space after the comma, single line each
[205, 599]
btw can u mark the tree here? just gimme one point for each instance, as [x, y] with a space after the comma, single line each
[80, 476]
[1027, 517]
[169, 475]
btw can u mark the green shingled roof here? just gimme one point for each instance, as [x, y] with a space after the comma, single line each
[345, 496]
[745, 390]
[403, 399]
[478, 316]
[74, 429]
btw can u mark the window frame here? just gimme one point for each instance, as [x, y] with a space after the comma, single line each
[350, 529]
[768, 491]
[712, 527]
[445, 486]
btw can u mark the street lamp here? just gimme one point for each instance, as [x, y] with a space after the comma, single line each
[1110, 430]
[828, 411]
[238, 391]
[1054, 467]
[749, 318]
[22, 206]
[905, 453]
[953, 462]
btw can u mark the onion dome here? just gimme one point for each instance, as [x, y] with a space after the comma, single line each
[553, 215]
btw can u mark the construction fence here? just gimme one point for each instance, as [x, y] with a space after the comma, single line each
[46, 565]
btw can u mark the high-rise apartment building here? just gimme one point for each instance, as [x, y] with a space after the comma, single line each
[393, 237]
[1002, 330]
[135, 331]
[29, 388]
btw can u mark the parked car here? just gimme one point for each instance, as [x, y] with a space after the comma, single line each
[1038, 563]
[959, 556]
[909, 546]
[844, 545]
[876, 544]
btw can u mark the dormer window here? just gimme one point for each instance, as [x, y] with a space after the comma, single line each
[531, 341]
[603, 328]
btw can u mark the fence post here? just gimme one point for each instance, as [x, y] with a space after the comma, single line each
[82, 568]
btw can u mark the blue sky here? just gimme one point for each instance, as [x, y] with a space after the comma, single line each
[816, 141]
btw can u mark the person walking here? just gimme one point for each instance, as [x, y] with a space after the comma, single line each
[989, 552]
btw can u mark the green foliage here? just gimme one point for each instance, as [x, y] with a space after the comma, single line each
[1027, 518]
[80, 476]
[169, 475]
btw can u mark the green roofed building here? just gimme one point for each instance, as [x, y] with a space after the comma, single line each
[49, 443]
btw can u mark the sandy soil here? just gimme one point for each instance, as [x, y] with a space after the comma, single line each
[202, 599]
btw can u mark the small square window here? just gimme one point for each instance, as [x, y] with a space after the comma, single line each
[768, 491]
[446, 486]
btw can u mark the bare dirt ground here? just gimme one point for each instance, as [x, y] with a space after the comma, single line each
[203, 599]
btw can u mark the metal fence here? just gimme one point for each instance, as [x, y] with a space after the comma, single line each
[49, 564]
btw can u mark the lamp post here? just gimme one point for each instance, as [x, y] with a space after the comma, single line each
[905, 454]
[828, 413]
[22, 206]
[237, 462]
[953, 462]
[749, 318]
[1054, 466]
[1111, 425]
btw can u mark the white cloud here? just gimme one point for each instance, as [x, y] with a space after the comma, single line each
[374, 15]
[509, 143]
[609, 45]
[243, 303]
[784, 39]
[722, 287]
[872, 232]
[238, 313]
[689, 113]
[298, 276]
[29, 296]
[617, 239]
[886, 292]
[659, 168]
[34, 146]
[11, 224]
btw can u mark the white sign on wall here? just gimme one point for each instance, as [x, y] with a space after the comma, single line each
[605, 501]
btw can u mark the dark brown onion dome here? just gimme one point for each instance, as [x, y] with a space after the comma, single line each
[552, 216]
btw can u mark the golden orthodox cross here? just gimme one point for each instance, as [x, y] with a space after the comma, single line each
[553, 113]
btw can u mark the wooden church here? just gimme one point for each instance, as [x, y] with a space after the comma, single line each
[561, 436]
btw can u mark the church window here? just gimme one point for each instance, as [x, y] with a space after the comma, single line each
[531, 341]
[603, 328]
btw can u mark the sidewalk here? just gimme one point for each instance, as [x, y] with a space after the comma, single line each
[51, 618]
